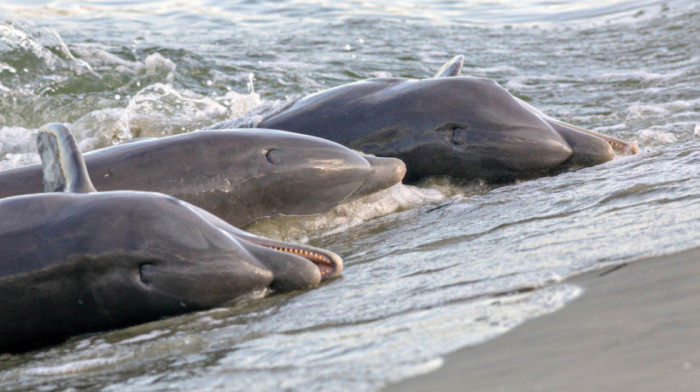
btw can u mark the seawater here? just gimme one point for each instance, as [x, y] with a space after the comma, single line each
[430, 268]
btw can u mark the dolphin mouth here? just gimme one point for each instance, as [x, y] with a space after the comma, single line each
[619, 146]
[329, 264]
[326, 264]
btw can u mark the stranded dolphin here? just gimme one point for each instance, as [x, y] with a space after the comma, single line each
[238, 175]
[81, 261]
[448, 125]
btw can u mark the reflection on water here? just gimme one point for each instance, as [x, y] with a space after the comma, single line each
[429, 268]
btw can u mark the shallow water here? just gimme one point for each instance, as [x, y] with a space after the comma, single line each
[429, 269]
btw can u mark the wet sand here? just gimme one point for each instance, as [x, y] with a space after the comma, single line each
[635, 328]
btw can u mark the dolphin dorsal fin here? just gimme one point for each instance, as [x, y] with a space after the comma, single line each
[451, 68]
[62, 163]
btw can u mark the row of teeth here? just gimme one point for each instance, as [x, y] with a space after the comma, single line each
[312, 256]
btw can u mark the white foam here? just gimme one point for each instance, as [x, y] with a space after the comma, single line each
[638, 110]
[7, 67]
[101, 59]
[156, 110]
[639, 75]
[496, 69]
[161, 110]
[156, 64]
[529, 82]
[239, 104]
[346, 215]
[147, 336]
[381, 74]
[655, 137]
[17, 147]
[102, 128]
[14, 38]
[78, 366]
[253, 112]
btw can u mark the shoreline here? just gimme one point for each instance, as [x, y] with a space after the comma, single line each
[635, 327]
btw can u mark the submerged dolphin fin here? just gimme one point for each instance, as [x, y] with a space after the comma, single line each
[451, 68]
[62, 163]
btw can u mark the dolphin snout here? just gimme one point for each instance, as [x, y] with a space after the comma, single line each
[587, 149]
[294, 266]
[384, 172]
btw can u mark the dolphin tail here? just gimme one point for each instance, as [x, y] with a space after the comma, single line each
[451, 68]
[61, 162]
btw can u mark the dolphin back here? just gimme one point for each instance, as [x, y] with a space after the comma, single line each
[62, 163]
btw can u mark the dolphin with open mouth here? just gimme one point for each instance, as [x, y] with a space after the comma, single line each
[73, 260]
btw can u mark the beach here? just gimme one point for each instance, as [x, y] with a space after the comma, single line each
[633, 329]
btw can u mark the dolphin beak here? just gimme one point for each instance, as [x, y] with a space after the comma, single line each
[384, 173]
[619, 146]
[586, 149]
[586, 145]
[328, 263]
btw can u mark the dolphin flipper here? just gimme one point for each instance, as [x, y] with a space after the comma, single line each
[451, 68]
[62, 163]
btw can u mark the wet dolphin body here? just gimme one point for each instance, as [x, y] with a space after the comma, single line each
[238, 175]
[80, 261]
[447, 125]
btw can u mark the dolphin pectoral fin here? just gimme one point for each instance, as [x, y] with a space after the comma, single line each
[451, 68]
[384, 173]
[62, 163]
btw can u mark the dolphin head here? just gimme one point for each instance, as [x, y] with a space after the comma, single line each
[479, 129]
[193, 257]
[299, 174]
[90, 262]
[155, 247]
[507, 135]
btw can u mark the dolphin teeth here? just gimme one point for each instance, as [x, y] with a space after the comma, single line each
[323, 262]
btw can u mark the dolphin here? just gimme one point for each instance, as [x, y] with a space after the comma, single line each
[449, 125]
[82, 261]
[239, 175]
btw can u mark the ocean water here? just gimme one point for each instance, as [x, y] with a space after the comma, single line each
[430, 268]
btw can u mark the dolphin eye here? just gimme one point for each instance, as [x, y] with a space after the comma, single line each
[273, 156]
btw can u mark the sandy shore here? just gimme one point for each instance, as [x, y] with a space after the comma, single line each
[635, 328]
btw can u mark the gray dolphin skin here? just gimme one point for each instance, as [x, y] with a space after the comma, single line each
[238, 175]
[448, 125]
[82, 261]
